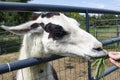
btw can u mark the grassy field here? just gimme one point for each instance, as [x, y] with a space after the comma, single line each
[105, 33]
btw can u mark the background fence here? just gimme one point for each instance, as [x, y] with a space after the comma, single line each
[9, 42]
[67, 68]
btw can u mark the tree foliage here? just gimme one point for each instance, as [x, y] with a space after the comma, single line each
[14, 18]
[104, 19]
[77, 16]
[98, 20]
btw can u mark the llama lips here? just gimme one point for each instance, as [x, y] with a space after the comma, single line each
[105, 55]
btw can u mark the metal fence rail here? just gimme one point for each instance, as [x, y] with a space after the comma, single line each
[10, 6]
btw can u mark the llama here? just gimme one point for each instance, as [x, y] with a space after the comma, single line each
[53, 33]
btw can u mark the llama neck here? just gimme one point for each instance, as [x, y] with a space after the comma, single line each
[32, 47]
[42, 72]
[37, 72]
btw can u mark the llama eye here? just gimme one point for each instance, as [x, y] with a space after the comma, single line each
[59, 34]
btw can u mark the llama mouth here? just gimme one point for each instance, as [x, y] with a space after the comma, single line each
[105, 57]
[97, 55]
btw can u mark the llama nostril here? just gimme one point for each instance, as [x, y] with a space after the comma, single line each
[98, 49]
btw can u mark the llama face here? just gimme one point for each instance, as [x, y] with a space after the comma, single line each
[61, 35]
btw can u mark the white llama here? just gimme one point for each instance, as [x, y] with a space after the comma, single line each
[53, 33]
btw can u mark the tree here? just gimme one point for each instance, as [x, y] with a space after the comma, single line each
[93, 18]
[14, 18]
[77, 16]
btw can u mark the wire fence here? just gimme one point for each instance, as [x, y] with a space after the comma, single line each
[110, 31]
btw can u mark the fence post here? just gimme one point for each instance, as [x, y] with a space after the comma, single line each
[87, 21]
[87, 29]
[117, 30]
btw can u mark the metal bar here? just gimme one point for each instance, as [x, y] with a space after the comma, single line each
[87, 21]
[25, 63]
[117, 30]
[22, 7]
[89, 70]
[87, 29]
[108, 42]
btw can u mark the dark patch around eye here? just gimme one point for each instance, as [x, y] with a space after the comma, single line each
[50, 14]
[55, 31]
[48, 27]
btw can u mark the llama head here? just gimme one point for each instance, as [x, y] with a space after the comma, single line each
[61, 35]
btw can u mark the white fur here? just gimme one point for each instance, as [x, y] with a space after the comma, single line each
[32, 47]
[37, 44]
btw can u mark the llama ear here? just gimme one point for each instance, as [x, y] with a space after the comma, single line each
[29, 27]
[15, 29]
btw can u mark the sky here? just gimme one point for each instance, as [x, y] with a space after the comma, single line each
[103, 4]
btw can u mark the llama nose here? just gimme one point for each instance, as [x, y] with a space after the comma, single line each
[98, 46]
